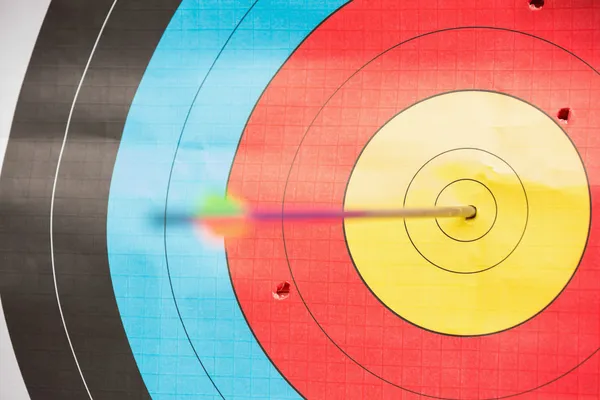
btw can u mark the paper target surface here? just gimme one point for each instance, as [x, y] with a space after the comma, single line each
[316, 103]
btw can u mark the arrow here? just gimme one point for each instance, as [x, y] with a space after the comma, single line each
[227, 216]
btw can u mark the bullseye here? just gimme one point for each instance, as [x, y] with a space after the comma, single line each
[477, 194]
[474, 276]
[471, 250]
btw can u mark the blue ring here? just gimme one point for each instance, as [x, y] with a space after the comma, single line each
[204, 323]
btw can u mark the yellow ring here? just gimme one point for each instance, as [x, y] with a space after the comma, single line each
[535, 244]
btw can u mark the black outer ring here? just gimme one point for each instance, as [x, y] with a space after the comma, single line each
[296, 155]
[495, 210]
[423, 166]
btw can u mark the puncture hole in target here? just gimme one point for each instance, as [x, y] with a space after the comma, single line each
[536, 4]
[282, 291]
[564, 115]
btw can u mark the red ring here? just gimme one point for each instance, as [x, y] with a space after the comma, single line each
[297, 345]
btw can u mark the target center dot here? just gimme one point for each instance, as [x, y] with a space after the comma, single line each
[468, 191]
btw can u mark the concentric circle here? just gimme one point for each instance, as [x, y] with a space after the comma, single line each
[414, 267]
[473, 193]
[461, 176]
[348, 323]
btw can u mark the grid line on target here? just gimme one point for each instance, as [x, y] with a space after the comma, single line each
[200, 282]
[482, 79]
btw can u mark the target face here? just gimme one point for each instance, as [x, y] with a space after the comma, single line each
[340, 104]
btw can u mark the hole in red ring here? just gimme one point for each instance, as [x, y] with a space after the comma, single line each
[536, 4]
[564, 114]
[282, 291]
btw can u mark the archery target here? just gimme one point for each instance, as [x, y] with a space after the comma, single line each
[346, 104]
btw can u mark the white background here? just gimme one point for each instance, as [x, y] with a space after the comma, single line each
[20, 22]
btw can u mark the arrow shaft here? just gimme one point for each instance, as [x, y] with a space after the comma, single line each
[429, 212]
[426, 212]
